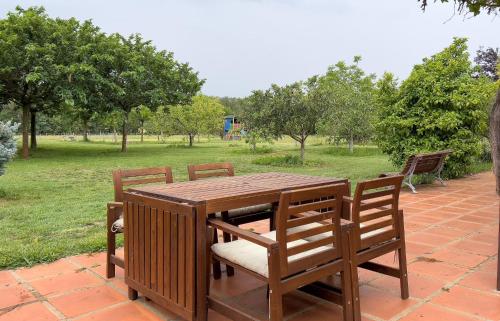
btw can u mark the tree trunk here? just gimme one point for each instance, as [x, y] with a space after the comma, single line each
[142, 132]
[351, 144]
[25, 121]
[33, 145]
[495, 139]
[85, 130]
[114, 136]
[302, 149]
[495, 154]
[124, 133]
[191, 138]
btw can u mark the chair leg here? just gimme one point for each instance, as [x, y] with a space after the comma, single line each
[403, 271]
[216, 266]
[346, 281]
[229, 269]
[110, 267]
[403, 277]
[275, 306]
[132, 294]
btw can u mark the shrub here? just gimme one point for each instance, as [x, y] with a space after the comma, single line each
[7, 144]
[440, 106]
[283, 161]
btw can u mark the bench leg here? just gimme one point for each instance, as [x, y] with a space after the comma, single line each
[438, 177]
[410, 185]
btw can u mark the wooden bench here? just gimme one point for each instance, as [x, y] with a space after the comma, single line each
[429, 163]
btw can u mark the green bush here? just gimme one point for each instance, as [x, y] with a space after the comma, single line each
[440, 106]
[283, 161]
[7, 144]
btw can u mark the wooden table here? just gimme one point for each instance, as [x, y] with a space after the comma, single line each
[187, 231]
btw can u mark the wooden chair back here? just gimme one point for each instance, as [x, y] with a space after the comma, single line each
[375, 211]
[201, 171]
[297, 209]
[425, 163]
[142, 176]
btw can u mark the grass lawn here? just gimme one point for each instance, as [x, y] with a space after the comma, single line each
[54, 204]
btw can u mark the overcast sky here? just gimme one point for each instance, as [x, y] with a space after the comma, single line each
[242, 45]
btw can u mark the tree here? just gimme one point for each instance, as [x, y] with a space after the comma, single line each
[113, 121]
[440, 106]
[141, 114]
[30, 66]
[160, 122]
[473, 6]
[487, 60]
[143, 76]
[203, 116]
[87, 72]
[290, 110]
[7, 144]
[347, 94]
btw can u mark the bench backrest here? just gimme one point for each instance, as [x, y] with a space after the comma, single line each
[425, 163]
[375, 211]
[142, 176]
[210, 170]
[299, 208]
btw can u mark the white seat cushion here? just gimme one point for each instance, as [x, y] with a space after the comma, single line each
[117, 226]
[254, 257]
[248, 210]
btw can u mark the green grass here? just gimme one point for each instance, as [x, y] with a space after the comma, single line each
[54, 204]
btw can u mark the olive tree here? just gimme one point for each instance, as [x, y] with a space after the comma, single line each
[203, 116]
[347, 95]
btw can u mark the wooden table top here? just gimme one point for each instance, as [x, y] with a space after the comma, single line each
[223, 189]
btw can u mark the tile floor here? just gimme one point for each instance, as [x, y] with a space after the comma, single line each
[452, 245]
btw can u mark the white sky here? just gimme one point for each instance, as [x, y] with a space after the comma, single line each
[242, 45]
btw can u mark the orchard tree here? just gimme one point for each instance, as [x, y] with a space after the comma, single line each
[347, 94]
[31, 70]
[290, 110]
[203, 116]
[253, 116]
[143, 76]
[141, 115]
[113, 122]
[440, 106]
[160, 123]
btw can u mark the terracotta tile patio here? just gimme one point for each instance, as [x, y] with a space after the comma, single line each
[452, 246]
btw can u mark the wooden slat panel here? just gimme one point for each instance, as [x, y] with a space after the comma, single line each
[376, 194]
[141, 244]
[309, 219]
[167, 253]
[211, 174]
[310, 232]
[379, 238]
[154, 250]
[379, 203]
[375, 215]
[181, 277]
[190, 262]
[147, 246]
[161, 256]
[292, 210]
[310, 245]
[140, 181]
[174, 256]
[375, 226]
[136, 242]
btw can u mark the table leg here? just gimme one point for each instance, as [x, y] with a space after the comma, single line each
[201, 277]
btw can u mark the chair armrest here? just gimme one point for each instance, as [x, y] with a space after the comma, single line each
[241, 233]
[115, 209]
[346, 224]
[347, 199]
[112, 205]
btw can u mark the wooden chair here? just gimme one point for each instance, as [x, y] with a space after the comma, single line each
[283, 258]
[378, 230]
[121, 179]
[234, 217]
[431, 163]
